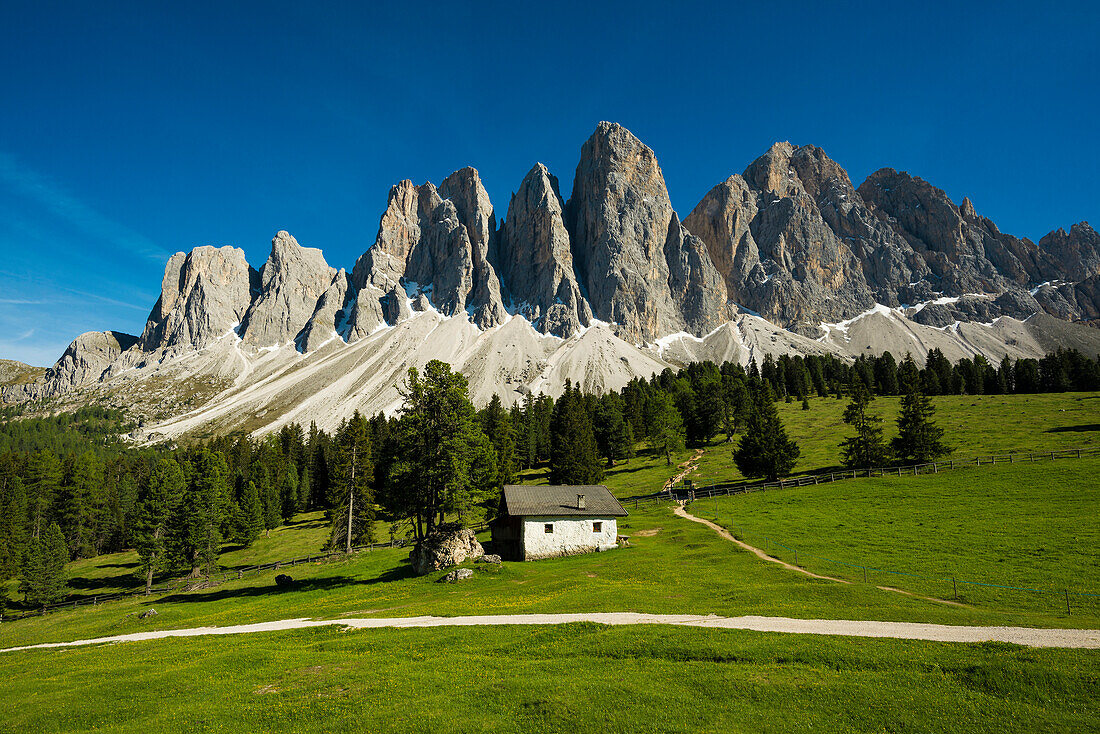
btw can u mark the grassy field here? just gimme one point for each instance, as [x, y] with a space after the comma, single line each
[1017, 525]
[581, 677]
[117, 572]
[974, 425]
[1023, 525]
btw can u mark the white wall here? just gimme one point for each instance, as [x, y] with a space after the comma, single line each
[571, 535]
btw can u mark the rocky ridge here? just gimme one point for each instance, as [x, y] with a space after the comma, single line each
[613, 274]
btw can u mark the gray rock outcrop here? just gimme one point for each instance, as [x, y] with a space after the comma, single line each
[535, 259]
[292, 282]
[445, 547]
[459, 574]
[327, 319]
[424, 246]
[204, 295]
[618, 216]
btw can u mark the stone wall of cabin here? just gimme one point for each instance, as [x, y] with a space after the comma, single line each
[571, 535]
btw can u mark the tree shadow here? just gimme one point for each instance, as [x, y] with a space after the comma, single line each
[1083, 428]
[398, 573]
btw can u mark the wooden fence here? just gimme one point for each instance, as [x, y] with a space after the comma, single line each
[687, 492]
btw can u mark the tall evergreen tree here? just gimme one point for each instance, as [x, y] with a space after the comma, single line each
[207, 502]
[665, 426]
[13, 523]
[497, 425]
[159, 501]
[919, 439]
[866, 449]
[353, 486]
[43, 577]
[440, 440]
[574, 456]
[765, 450]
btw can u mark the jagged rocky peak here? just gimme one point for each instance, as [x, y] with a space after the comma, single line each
[327, 320]
[291, 282]
[465, 190]
[697, 287]
[204, 295]
[86, 359]
[965, 253]
[424, 245]
[618, 218]
[1078, 250]
[777, 253]
[535, 259]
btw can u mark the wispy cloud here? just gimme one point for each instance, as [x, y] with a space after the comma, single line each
[21, 302]
[55, 200]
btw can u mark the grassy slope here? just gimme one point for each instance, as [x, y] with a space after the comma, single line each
[1029, 525]
[568, 678]
[974, 425]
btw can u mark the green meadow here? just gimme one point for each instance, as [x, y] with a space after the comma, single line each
[567, 678]
[1022, 525]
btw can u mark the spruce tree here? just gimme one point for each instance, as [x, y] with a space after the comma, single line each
[919, 439]
[497, 426]
[574, 456]
[665, 426]
[352, 488]
[439, 439]
[43, 574]
[765, 450]
[158, 501]
[13, 524]
[866, 449]
[207, 502]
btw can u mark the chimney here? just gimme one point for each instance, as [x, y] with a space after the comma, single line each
[580, 502]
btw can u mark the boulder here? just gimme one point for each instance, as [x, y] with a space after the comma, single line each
[282, 580]
[459, 574]
[147, 614]
[489, 558]
[445, 547]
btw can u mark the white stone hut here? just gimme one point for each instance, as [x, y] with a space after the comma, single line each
[546, 522]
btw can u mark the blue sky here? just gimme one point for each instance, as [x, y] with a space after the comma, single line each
[132, 131]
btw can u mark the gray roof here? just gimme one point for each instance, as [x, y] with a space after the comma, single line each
[525, 500]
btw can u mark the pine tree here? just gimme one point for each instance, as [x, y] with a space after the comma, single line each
[574, 455]
[866, 449]
[159, 500]
[919, 439]
[439, 439]
[665, 426]
[288, 491]
[497, 426]
[13, 524]
[765, 450]
[269, 499]
[43, 484]
[207, 502]
[352, 488]
[43, 575]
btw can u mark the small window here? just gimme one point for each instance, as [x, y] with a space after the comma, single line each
[597, 527]
[548, 527]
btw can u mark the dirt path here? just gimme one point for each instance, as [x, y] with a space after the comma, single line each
[1072, 638]
[679, 510]
[687, 468]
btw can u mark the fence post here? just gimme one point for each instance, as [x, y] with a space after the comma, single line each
[955, 588]
[1067, 602]
[864, 574]
[1078, 453]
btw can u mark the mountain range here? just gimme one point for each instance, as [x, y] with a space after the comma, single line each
[787, 257]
